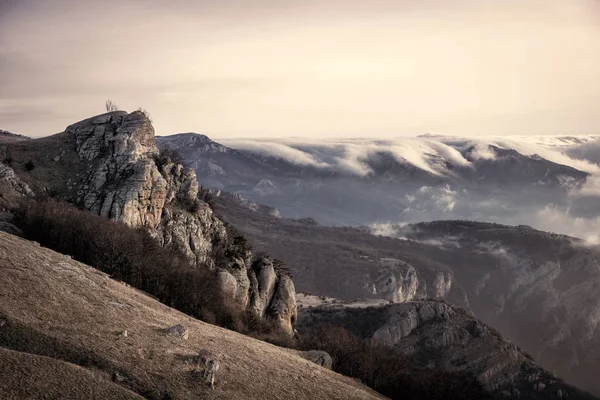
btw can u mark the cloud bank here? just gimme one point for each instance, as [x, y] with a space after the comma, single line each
[574, 212]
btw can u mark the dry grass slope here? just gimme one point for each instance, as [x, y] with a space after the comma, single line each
[26, 376]
[56, 307]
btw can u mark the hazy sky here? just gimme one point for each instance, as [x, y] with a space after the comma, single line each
[304, 67]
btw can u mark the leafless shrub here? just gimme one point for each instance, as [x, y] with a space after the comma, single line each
[133, 256]
[168, 155]
[110, 106]
[145, 112]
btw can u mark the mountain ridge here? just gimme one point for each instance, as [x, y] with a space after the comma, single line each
[535, 287]
[363, 182]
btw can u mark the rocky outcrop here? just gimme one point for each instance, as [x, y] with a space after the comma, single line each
[399, 281]
[12, 184]
[434, 334]
[396, 281]
[127, 180]
[125, 183]
[263, 289]
[319, 357]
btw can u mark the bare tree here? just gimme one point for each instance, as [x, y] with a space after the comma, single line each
[110, 106]
[146, 113]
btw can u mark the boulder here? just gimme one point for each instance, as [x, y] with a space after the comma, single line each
[318, 357]
[178, 331]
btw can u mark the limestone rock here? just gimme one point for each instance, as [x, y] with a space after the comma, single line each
[126, 181]
[396, 281]
[13, 183]
[265, 277]
[283, 306]
[119, 377]
[318, 357]
[178, 331]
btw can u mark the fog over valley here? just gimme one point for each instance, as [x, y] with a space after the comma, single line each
[549, 182]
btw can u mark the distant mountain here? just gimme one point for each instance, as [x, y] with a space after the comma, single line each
[541, 290]
[6, 137]
[358, 182]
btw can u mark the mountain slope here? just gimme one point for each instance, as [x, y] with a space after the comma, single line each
[27, 376]
[541, 290]
[55, 307]
[109, 164]
[7, 137]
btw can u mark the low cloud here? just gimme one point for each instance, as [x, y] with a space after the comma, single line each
[279, 150]
[482, 151]
[553, 219]
[438, 156]
[568, 209]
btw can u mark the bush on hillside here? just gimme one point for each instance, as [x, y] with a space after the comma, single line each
[133, 256]
[168, 155]
[205, 194]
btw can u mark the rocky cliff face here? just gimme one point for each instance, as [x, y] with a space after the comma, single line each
[434, 334]
[14, 185]
[541, 290]
[12, 188]
[121, 176]
[399, 281]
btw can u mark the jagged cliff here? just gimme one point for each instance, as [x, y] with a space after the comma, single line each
[399, 281]
[110, 165]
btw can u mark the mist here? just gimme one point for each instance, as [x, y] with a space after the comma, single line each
[548, 183]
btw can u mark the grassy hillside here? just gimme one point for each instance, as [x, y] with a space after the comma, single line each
[55, 307]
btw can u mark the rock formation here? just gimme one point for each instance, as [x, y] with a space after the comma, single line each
[319, 357]
[11, 184]
[434, 334]
[399, 281]
[121, 176]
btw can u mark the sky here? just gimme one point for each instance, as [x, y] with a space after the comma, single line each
[306, 68]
